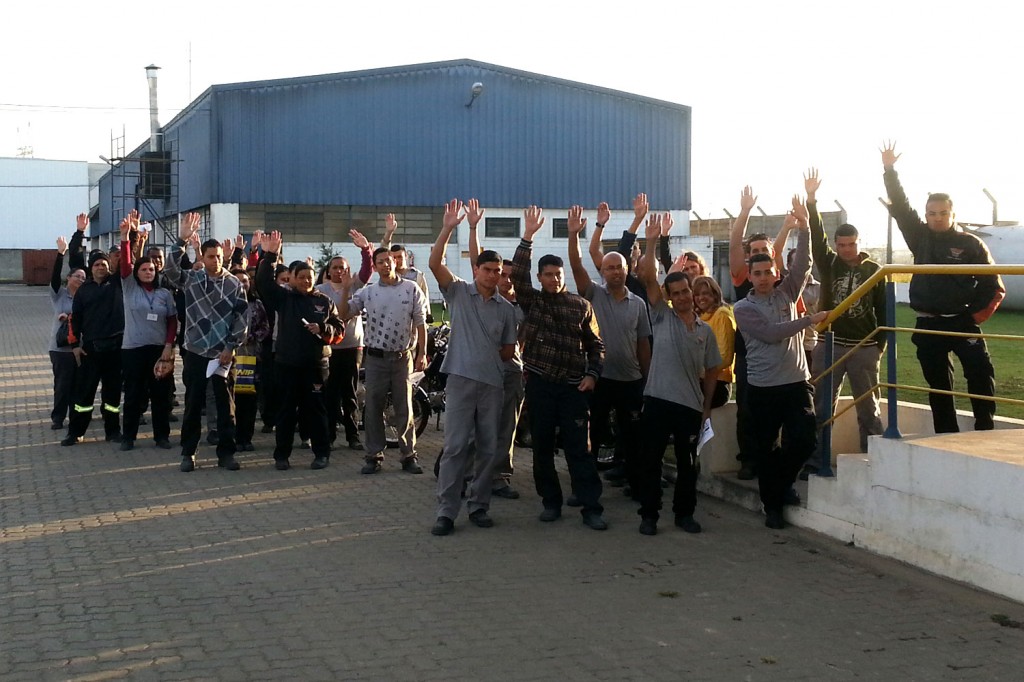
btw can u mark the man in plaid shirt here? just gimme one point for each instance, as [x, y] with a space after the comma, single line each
[563, 355]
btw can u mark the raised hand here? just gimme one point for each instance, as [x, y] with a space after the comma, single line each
[666, 223]
[240, 242]
[134, 218]
[889, 155]
[390, 224]
[474, 214]
[747, 199]
[576, 223]
[272, 242]
[453, 215]
[653, 229]
[800, 212]
[62, 245]
[679, 264]
[193, 241]
[125, 227]
[534, 221]
[189, 226]
[82, 222]
[144, 236]
[811, 183]
[640, 206]
[228, 246]
[790, 221]
[358, 239]
[256, 237]
[604, 214]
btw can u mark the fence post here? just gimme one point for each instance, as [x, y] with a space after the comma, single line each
[825, 386]
[892, 430]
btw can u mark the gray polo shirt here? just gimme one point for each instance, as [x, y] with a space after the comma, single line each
[145, 314]
[393, 312]
[480, 326]
[679, 358]
[622, 323]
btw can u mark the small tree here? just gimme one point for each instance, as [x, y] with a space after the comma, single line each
[327, 252]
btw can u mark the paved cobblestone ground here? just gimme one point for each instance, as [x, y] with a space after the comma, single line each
[115, 565]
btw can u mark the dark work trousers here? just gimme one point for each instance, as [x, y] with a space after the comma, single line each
[722, 391]
[64, 370]
[744, 423]
[627, 399]
[342, 383]
[269, 399]
[302, 390]
[789, 407]
[563, 407]
[933, 354]
[245, 410]
[194, 375]
[97, 366]
[662, 418]
[141, 387]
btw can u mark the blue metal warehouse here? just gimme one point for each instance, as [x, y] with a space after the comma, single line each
[316, 155]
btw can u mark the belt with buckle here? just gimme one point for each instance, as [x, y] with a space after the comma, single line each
[381, 353]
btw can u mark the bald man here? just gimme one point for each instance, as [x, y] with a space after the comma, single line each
[626, 331]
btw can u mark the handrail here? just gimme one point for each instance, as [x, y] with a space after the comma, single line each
[890, 328]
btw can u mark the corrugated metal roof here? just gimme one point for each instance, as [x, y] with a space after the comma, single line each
[404, 136]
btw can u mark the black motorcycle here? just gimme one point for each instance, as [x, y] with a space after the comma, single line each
[427, 390]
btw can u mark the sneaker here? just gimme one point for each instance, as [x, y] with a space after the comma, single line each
[229, 463]
[127, 444]
[573, 501]
[355, 444]
[163, 444]
[648, 527]
[688, 524]
[282, 465]
[595, 522]
[746, 472]
[188, 463]
[411, 466]
[319, 463]
[507, 492]
[212, 437]
[481, 519]
[774, 520]
[304, 444]
[56, 426]
[443, 526]
[550, 514]
[71, 440]
[371, 468]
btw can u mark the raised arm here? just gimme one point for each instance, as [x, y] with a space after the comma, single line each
[779, 246]
[795, 280]
[664, 252]
[453, 215]
[188, 229]
[907, 219]
[576, 224]
[473, 217]
[533, 218]
[238, 253]
[628, 238]
[76, 257]
[390, 226]
[270, 293]
[820, 250]
[648, 271]
[737, 256]
[130, 222]
[58, 264]
[365, 252]
[604, 214]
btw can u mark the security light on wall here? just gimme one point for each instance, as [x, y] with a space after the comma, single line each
[474, 92]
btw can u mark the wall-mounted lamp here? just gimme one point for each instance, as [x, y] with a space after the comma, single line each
[474, 93]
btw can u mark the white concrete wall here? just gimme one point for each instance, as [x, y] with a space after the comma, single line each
[39, 200]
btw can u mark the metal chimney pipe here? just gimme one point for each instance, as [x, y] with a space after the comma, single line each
[154, 121]
[995, 206]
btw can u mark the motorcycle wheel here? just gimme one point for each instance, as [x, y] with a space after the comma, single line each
[420, 416]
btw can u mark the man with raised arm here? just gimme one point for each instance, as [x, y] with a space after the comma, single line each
[627, 242]
[780, 395]
[563, 355]
[346, 356]
[513, 394]
[215, 318]
[842, 272]
[625, 330]
[403, 264]
[482, 339]
[395, 338]
[740, 250]
[679, 391]
[947, 303]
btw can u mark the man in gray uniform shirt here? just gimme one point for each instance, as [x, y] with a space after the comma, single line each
[483, 337]
[396, 343]
[626, 331]
[780, 394]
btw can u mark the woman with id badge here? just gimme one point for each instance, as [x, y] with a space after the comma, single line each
[147, 352]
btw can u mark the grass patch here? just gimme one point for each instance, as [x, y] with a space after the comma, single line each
[1007, 358]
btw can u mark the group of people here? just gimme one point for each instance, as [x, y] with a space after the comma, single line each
[661, 352]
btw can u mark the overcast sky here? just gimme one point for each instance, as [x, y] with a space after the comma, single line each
[775, 86]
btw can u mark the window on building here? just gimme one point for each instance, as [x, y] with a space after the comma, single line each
[501, 228]
[560, 229]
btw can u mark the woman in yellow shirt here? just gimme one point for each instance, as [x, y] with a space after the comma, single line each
[707, 297]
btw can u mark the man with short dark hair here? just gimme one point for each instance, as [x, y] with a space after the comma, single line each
[842, 272]
[403, 261]
[396, 343]
[947, 303]
[780, 397]
[482, 339]
[215, 314]
[563, 356]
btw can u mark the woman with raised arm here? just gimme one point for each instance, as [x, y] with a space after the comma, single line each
[62, 294]
[707, 298]
[150, 326]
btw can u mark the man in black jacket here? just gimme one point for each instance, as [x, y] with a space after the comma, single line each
[952, 303]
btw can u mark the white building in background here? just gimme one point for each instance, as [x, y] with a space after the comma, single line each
[39, 199]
